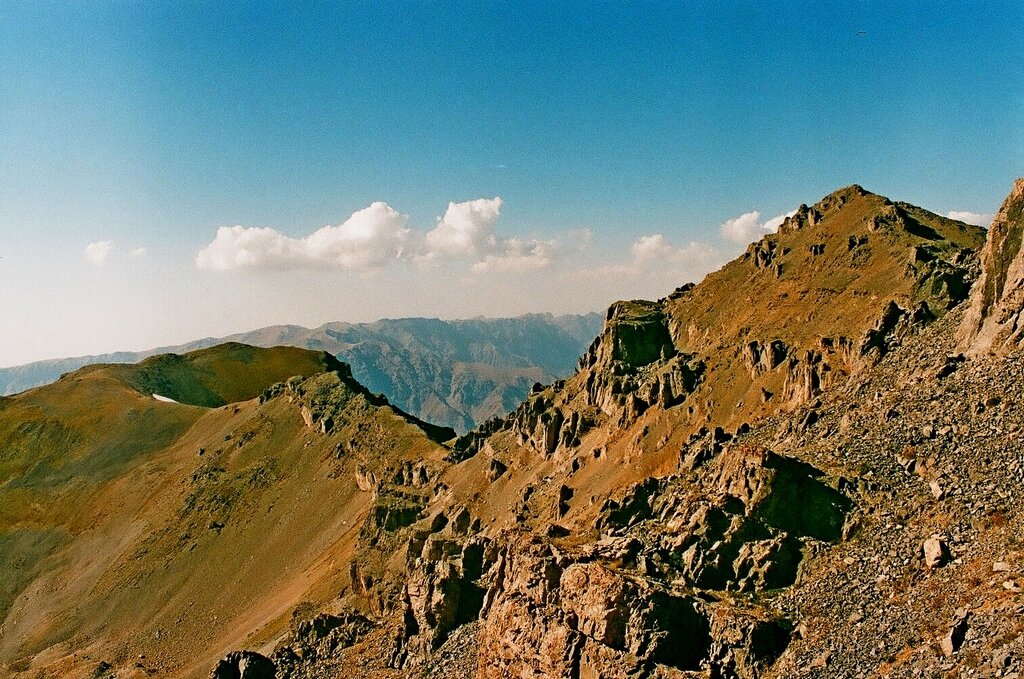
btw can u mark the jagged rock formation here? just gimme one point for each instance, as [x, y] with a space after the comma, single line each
[637, 602]
[993, 322]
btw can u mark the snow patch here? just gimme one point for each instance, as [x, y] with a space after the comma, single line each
[164, 398]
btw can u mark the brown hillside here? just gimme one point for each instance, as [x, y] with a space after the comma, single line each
[132, 526]
[799, 312]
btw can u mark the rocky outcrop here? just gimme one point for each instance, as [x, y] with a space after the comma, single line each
[393, 509]
[894, 323]
[635, 334]
[764, 254]
[318, 639]
[570, 613]
[805, 217]
[760, 358]
[631, 366]
[995, 319]
[244, 665]
[834, 359]
[741, 525]
[634, 365]
[806, 377]
[444, 562]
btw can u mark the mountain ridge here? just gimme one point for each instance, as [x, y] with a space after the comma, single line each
[455, 373]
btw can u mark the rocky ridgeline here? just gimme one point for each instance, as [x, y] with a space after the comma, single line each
[941, 272]
[324, 398]
[630, 367]
[865, 520]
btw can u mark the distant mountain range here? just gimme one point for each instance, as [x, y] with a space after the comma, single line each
[452, 373]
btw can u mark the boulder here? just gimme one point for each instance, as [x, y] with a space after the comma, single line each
[244, 665]
[935, 552]
[956, 635]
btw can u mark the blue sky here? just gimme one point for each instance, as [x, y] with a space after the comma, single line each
[146, 127]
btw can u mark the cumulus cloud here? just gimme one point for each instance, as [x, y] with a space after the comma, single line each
[370, 238]
[99, 252]
[519, 255]
[656, 248]
[652, 266]
[379, 235]
[976, 218]
[749, 227]
[466, 229]
[138, 253]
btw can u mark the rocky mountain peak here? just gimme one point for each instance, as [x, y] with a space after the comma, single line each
[993, 321]
[810, 216]
[837, 288]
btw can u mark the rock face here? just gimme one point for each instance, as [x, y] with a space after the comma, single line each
[569, 613]
[635, 334]
[994, 320]
[244, 665]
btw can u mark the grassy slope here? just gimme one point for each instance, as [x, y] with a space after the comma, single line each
[62, 446]
[222, 546]
[839, 293]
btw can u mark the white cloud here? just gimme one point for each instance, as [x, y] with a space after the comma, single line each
[651, 248]
[98, 252]
[520, 255]
[749, 227]
[773, 224]
[370, 238]
[655, 256]
[138, 253]
[379, 235]
[466, 229]
[656, 249]
[976, 218]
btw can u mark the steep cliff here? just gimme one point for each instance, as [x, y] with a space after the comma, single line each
[993, 322]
